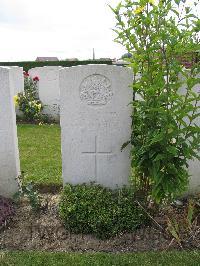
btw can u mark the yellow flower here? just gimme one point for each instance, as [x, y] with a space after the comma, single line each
[152, 2]
[15, 100]
[139, 10]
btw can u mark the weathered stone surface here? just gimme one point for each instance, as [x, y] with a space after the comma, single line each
[48, 88]
[17, 82]
[194, 165]
[9, 154]
[95, 122]
[17, 79]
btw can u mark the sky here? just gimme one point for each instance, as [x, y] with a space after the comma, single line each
[61, 28]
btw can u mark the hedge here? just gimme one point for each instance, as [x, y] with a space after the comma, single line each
[28, 65]
[102, 212]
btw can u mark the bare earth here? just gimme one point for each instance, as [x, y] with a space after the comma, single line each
[45, 231]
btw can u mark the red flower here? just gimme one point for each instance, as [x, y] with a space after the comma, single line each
[36, 78]
[26, 74]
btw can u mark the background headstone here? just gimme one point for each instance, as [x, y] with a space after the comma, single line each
[17, 82]
[9, 154]
[48, 88]
[17, 78]
[95, 122]
[194, 165]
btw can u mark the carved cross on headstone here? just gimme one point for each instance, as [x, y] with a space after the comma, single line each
[95, 154]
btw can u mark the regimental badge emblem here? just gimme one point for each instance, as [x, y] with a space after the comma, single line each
[96, 90]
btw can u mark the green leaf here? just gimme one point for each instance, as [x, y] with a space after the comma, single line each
[125, 145]
[177, 1]
[190, 213]
[159, 157]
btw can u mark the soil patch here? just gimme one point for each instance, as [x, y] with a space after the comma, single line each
[45, 231]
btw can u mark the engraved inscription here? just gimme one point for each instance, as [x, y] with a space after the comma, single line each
[96, 90]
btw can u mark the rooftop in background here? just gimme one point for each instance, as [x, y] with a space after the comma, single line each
[43, 59]
[71, 59]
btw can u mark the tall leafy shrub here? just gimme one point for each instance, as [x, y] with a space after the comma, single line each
[164, 134]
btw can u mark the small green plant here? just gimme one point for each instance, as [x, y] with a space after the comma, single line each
[28, 101]
[28, 191]
[92, 209]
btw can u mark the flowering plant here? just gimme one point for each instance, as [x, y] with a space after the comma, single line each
[164, 130]
[28, 101]
[36, 78]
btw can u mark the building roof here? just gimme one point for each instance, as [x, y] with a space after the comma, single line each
[47, 59]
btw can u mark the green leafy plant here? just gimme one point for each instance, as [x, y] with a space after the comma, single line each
[28, 101]
[164, 132]
[28, 191]
[92, 209]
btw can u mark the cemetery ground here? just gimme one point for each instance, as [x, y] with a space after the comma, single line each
[44, 230]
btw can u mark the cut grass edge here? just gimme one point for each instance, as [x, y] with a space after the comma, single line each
[19, 258]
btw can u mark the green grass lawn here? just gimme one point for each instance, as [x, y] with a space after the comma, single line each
[98, 259]
[40, 153]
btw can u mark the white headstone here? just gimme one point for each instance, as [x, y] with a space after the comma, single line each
[95, 122]
[48, 87]
[17, 79]
[9, 154]
[194, 165]
[17, 82]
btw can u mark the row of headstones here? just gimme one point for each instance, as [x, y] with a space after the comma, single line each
[95, 122]
[48, 87]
